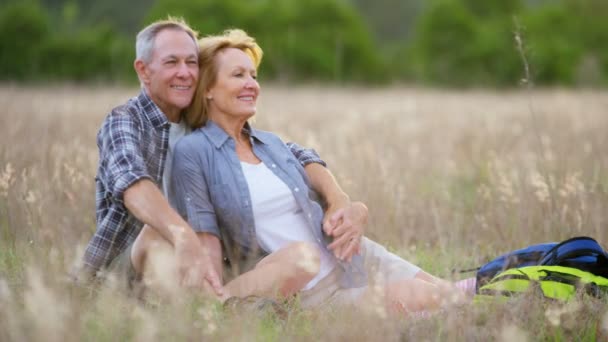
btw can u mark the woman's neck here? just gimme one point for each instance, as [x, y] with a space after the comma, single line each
[232, 126]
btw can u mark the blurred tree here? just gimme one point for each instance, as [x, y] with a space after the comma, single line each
[553, 44]
[493, 8]
[391, 20]
[469, 42]
[592, 32]
[23, 28]
[441, 42]
[455, 46]
[124, 17]
[316, 39]
[31, 48]
[93, 54]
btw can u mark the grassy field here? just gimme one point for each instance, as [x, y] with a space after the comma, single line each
[452, 179]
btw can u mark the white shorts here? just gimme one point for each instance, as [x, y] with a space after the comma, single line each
[382, 268]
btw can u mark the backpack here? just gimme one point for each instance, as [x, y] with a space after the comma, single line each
[555, 282]
[582, 253]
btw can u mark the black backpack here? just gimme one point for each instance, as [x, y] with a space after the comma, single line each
[583, 253]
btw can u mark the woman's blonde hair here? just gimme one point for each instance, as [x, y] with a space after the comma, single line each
[208, 48]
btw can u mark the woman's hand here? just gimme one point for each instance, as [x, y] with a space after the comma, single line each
[346, 225]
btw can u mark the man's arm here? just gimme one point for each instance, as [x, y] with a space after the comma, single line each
[145, 201]
[325, 184]
[344, 221]
[126, 175]
[321, 179]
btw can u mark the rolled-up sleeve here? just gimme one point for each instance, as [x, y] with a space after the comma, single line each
[190, 191]
[121, 158]
[305, 155]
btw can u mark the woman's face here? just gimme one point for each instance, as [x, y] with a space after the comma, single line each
[236, 89]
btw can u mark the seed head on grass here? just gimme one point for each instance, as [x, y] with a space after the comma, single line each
[6, 179]
[540, 186]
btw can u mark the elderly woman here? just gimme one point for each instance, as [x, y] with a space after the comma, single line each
[244, 189]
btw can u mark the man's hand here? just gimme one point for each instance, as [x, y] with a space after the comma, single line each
[346, 225]
[195, 268]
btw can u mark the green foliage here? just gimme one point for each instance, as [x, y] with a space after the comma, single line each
[468, 42]
[592, 34]
[551, 33]
[316, 39]
[460, 43]
[34, 49]
[89, 54]
[23, 28]
[438, 42]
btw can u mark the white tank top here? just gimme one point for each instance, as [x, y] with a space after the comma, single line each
[278, 218]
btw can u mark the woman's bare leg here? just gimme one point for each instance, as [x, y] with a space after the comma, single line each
[422, 293]
[280, 274]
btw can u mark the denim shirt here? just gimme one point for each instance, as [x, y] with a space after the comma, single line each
[212, 194]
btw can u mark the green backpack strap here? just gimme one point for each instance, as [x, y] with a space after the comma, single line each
[555, 282]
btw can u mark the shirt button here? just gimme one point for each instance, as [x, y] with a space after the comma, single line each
[274, 165]
[309, 215]
[296, 189]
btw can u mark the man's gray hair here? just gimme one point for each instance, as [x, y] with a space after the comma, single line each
[144, 43]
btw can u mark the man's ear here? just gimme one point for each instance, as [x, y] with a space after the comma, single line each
[142, 71]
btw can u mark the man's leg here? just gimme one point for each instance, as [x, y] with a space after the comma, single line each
[122, 268]
[153, 258]
[154, 262]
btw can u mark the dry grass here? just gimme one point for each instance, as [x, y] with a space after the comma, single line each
[451, 179]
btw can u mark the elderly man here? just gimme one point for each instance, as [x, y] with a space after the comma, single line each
[135, 146]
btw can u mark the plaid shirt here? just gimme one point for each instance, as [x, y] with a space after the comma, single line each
[133, 142]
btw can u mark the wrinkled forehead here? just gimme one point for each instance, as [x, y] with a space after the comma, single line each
[174, 42]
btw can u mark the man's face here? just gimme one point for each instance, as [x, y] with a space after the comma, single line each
[171, 75]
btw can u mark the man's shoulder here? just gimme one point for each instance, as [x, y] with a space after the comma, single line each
[131, 109]
[127, 116]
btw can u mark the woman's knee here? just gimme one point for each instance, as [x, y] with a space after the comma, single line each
[306, 257]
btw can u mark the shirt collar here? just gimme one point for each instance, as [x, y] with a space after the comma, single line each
[218, 136]
[151, 110]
